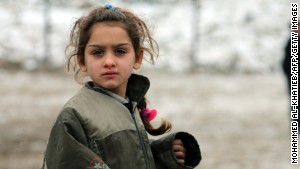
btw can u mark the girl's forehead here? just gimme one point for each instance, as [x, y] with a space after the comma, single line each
[109, 25]
[108, 33]
[103, 27]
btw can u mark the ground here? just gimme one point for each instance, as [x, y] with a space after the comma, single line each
[240, 121]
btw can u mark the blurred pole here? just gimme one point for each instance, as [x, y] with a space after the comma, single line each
[195, 34]
[47, 31]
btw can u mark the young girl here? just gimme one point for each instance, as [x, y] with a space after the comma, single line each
[104, 125]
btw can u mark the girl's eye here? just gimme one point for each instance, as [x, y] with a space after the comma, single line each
[98, 52]
[120, 51]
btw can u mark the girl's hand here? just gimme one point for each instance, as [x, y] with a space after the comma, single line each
[179, 151]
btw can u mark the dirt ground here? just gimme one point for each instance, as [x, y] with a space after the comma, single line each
[240, 121]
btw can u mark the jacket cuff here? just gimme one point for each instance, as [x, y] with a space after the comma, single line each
[193, 153]
[163, 151]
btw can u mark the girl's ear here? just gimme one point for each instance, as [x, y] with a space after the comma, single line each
[138, 62]
[81, 64]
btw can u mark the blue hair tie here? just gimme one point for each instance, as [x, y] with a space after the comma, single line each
[109, 6]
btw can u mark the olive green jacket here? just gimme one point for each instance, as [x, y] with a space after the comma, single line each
[95, 131]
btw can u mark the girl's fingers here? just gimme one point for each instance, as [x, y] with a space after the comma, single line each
[180, 155]
[179, 148]
[178, 145]
[177, 142]
[179, 151]
[180, 161]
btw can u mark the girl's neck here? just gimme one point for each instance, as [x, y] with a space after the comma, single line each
[113, 95]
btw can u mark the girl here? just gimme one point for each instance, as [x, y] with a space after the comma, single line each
[104, 125]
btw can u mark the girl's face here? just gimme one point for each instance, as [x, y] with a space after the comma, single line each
[109, 57]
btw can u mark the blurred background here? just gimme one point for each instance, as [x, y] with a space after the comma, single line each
[219, 76]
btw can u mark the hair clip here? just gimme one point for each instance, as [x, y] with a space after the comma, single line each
[149, 114]
[109, 6]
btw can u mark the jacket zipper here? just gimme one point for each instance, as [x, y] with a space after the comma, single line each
[141, 140]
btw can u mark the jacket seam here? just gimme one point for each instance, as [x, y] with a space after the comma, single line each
[141, 140]
[81, 120]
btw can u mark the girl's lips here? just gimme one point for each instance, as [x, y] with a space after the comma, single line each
[109, 74]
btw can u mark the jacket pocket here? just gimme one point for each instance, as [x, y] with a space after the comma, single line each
[122, 150]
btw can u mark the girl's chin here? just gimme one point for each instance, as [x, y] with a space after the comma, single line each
[107, 86]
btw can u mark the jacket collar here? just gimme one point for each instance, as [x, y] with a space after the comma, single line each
[137, 87]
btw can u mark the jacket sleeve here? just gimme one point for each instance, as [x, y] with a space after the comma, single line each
[68, 145]
[164, 156]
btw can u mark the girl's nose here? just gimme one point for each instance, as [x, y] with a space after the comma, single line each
[109, 61]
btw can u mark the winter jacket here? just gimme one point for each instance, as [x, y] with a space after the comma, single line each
[96, 131]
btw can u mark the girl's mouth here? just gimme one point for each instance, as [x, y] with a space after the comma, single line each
[109, 74]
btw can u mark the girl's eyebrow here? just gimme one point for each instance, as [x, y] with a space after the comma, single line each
[101, 46]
